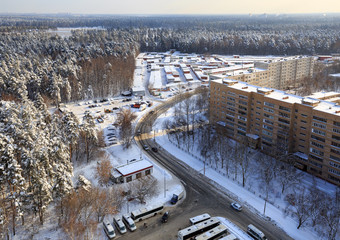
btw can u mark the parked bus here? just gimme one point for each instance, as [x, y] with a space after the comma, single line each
[214, 233]
[129, 222]
[143, 213]
[197, 229]
[255, 232]
[199, 218]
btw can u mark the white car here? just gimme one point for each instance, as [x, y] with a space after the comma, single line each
[236, 206]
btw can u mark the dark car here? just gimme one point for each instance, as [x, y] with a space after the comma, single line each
[154, 149]
[165, 217]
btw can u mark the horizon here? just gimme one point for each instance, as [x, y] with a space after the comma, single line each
[175, 7]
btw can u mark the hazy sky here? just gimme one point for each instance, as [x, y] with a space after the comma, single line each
[169, 6]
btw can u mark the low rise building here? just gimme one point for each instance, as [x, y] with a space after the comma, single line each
[134, 169]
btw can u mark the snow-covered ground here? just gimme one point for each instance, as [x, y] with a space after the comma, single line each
[247, 196]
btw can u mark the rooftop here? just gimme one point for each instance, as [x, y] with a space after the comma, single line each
[133, 167]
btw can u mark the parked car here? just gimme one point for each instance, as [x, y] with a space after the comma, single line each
[129, 222]
[154, 149]
[109, 230]
[165, 217]
[146, 148]
[236, 206]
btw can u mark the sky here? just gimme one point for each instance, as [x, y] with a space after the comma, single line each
[169, 6]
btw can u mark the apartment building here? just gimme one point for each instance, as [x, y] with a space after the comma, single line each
[285, 72]
[277, 122]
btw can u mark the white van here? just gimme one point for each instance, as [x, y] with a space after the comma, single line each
[109, 230]
[255, 232]
[119, 225]
[129, 222]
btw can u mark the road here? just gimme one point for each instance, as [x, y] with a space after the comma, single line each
[202, 196]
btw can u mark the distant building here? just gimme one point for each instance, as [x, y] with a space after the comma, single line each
[134, 169]
[280, 123]
[138, 91]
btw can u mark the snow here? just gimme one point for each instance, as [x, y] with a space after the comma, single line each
[132, 167]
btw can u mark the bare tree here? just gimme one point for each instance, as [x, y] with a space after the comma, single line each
[300, 205]
[266, 177]
[124, 119]
[103, 171]
[330, 215]
[144, 188]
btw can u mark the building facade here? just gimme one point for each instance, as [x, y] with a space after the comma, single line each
[277, 122]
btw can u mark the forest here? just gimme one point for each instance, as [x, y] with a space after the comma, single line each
[40, 70]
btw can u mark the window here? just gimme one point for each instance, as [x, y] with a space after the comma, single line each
[231, 104]
[336, 130]
[242, 113]
[334, 165]
[257, 113]
[258, 102]
[284, 121]
[268, 110]
[336, 123]
[138, 175]
[242, 123]
[303, 115]
[334, 171]
[243, 108]
[316, 151]
[269, 104]
[231, 93]
[267, 139]
[284, 108]
[334, 158]
[336, 137]
[267, 127]
[317, 138]
[129, 179]
[267, 133]
[231, 99]
[318, 132]
[319, 125]
[320, 119]
[243, 97]
[243, 102]
[303, 121]
[317, 144]
[258, 108]
[286, 115]
[267, 121]
[147, 172]
[231, 109]
[242, 118]
[335, 151]
[316, 164]
[335, 144]
[268, 116]
[316, 158]
[241, 128]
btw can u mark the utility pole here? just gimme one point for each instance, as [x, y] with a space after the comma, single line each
[164, 185]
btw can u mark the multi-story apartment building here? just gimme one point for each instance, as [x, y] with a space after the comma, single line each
[277, 122]
[285, 72]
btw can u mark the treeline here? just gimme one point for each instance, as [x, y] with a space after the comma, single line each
[237, 34]
[90, 64]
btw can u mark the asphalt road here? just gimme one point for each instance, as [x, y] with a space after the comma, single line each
[202, 196]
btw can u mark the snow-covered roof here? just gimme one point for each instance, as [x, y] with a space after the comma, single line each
[134, 167]
[320, 105]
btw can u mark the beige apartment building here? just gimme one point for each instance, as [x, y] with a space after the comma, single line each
[277, 122]
[285, 72]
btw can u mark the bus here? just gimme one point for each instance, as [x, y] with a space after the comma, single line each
[214, 233]
[143, 213]
[255, 232]
[194, 230]
[199, 218]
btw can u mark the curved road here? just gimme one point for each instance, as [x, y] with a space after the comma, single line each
[202, 195]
